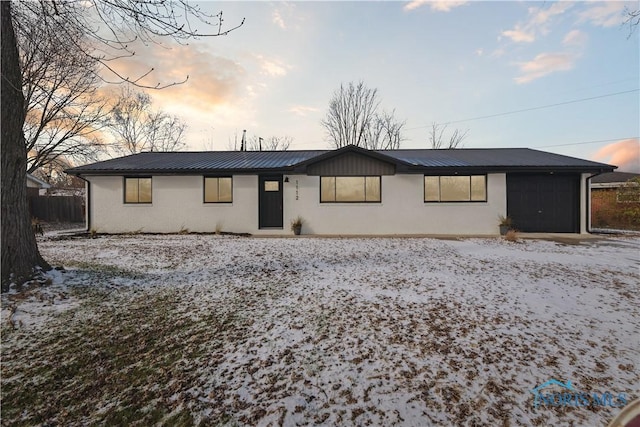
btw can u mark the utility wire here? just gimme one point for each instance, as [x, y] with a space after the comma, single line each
[531, 109]
[587, 142]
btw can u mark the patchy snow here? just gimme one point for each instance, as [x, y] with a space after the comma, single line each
[289, 331]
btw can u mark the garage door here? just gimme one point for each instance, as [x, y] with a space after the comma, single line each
[544, 203]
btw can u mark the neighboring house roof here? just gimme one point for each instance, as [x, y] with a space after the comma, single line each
[408, 161]
[38, 182]
[614, 178]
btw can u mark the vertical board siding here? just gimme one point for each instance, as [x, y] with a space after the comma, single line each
[351, 164]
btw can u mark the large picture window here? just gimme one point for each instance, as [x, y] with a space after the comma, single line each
[349, 189]
[137, 190]
[218, 189]
[455, 188]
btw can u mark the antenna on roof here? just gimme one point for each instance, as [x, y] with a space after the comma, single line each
[243, 143]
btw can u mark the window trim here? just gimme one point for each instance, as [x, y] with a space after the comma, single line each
[347, 201]
[204, 189]
[124, 190]
[486, 189]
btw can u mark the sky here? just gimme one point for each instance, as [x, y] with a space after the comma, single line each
[474, 65]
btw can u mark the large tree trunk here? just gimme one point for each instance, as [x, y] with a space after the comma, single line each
[20, 255]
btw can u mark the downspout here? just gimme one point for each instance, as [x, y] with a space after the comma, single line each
[87, 202]
[588, 200]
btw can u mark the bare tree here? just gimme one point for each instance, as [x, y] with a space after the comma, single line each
[353, 119]
[272, 143]
[137, 127]
[437, 137]
[632, 19]
[20, 255]
[351, 111]
[110, 26]
[63, 112]
[53, 173]
[384, 132]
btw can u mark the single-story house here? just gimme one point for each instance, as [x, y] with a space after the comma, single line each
[348, 191]
[36, 186]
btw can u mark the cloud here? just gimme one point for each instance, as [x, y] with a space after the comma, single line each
[603, 14]
[302, 110]
[277, 19]
[575, 38]
[435, 5]
[538, 22]
[519, 35]
[213, 80]
[498, 53]
[541, 16]
[544, 64]
[273, 67]
[625, 154]
[286, 16]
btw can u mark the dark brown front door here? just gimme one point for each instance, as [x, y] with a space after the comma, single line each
[270, 201]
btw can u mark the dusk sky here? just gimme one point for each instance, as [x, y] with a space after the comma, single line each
[436, 61]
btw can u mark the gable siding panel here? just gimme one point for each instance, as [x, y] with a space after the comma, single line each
[351, 164]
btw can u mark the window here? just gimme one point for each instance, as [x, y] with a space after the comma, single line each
[336, 189]
[455, 188]
[137, 190]
[218, 190]
[272, 186]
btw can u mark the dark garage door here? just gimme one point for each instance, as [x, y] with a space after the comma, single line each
[544, 203]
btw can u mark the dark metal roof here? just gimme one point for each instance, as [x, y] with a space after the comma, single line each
[205, 161]
[417, 161]
[612, 177]
[490, 158]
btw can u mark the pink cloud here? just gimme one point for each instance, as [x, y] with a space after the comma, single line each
[436, 5]
[212, 80]
[604, 14]
[575, 38]
[625, 154]
[538, 23]
[543, 64]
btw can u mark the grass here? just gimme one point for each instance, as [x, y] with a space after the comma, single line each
[111, 364]
[209, 330]
[511, 236]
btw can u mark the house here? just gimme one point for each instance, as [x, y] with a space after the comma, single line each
[611, 180]
[348, 191]
[615, 201]
[35, 186]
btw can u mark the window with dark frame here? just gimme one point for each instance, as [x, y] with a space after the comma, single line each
[350, 189]
[137, 190]
[455, 188]
[218, 189]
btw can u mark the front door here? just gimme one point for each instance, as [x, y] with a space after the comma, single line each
[270, 201]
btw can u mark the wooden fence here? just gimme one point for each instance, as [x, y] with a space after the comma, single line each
[57, 208]
[608, 210]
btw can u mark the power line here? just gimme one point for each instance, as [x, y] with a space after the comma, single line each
[587, 142]
[531, 109]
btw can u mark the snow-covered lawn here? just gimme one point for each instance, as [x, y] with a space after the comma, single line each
[188, 329]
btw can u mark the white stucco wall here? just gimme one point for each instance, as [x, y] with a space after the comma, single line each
[402, 210]
[177, 204]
